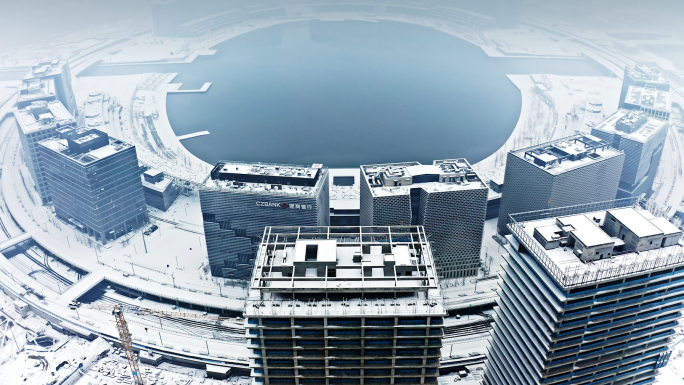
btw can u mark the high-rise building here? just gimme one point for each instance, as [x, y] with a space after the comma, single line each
[240, 199]
[591, 295]
[645, 89]
[448, 198]
[569, 171]
[38, 121]
[58, 71]
[642, 139]
[347, 305]
[95, 182]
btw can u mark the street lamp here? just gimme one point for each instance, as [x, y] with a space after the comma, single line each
[144, 244]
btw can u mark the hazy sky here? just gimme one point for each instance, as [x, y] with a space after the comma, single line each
[25, 22]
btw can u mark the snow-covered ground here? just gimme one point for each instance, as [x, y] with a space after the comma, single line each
[172, 261]
[36, 353]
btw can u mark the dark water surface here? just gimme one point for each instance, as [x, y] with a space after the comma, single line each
[350, 93]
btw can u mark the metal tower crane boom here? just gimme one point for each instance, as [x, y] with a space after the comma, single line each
[125, 335]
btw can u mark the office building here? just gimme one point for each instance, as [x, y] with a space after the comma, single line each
[448, 198]
[345, 198]
[348, 305]
[35, 90]
[569, 171]
[38, 121]
[57, 71]
[95, 182]
[240, 199]
[646, 89]
[642, 139]
[591, 295]
[160, 192]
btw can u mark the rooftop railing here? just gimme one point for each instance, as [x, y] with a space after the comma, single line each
[324, 308]
[567, 279]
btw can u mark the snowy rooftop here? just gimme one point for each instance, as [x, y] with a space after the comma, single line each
[344, 188]
[42, 115]
[274, 305]
[564, 262]
[110, 146]
[344, 260]
[267, 178]
[646, 74]
[641, 126]
[158, 186]
[568, 153]
[442, 175]
[650, 98]
[35, 89]
[47, 68]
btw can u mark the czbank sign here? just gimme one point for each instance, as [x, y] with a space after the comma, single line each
[285, 206]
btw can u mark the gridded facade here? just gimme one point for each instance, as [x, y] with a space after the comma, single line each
[529, 187]
[642, 152]
[348, 350]
[384, 210]
[612, 330]
[234, 221]
[453, 213]
[454, 222]
[99, 191]
[39, 121]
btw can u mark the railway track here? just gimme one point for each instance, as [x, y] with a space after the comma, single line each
[217, 331]
[469, 329]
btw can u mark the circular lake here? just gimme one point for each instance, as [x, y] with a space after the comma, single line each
[350, 93]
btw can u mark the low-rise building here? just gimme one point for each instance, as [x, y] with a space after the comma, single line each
[160, 192]
[345, 199]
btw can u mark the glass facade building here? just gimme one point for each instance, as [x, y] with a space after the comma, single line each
[95, 182]
[38, 121]
[239, 200]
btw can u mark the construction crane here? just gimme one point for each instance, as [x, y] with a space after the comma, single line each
[125, 335]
